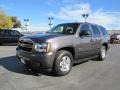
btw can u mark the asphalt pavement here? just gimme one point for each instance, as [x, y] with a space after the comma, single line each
[91, 75]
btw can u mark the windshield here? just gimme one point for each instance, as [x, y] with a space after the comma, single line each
[70, 28]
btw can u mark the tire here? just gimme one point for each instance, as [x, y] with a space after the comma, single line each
[63, 63]
[102, 54]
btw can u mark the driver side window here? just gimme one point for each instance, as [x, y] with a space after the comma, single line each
[85, 31]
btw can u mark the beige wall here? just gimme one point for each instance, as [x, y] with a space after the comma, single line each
[113, 31]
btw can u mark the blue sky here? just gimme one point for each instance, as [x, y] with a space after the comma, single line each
[104, 12]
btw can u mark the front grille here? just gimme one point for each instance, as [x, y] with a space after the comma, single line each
[26, 45]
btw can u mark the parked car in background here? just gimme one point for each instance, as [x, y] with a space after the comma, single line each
[26, 33]
[62, 46]
[9, 36]
[114, 37]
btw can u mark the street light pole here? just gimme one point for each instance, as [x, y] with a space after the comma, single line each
[85, 16]
[50, 21]
[26, 24]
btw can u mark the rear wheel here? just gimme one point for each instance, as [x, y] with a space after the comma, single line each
[102, 54]
[63, 63]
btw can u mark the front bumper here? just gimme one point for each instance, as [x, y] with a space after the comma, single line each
[45, 60]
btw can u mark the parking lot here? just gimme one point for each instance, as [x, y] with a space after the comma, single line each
[91, 75]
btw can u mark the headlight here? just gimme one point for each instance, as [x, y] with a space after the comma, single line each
[43, 47]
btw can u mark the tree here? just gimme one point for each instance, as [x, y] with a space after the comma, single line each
[5, 21]
[8, 22]
[16, 22]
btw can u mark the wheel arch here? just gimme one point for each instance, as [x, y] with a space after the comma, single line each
[70, 49]
[106, 45]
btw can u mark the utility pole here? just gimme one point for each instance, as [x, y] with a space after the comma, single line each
[85, 16]
[50, 21]
[26, 24]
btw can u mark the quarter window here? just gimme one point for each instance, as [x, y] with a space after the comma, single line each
[104, 32]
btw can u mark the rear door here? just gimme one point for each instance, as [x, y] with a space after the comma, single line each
[97, 39]
[85, 41]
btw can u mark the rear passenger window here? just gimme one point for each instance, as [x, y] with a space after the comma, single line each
[104, 31]
[85, 30]
[96, 31]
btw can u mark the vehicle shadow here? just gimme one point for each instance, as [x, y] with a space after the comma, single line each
[14, 65]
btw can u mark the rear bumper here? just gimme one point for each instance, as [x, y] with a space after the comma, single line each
[44, 60]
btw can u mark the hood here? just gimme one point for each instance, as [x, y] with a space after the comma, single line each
[42, 37]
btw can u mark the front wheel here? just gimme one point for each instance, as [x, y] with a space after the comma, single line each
[63, 63]
[102, 54]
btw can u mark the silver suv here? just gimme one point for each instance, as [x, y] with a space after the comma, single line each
[62, 46]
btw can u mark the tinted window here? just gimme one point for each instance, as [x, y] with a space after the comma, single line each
[104, 31]
[11, 32]
[85, 30]
[96, 31]
[7, 32]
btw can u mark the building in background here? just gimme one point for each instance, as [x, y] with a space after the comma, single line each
[113, 31]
